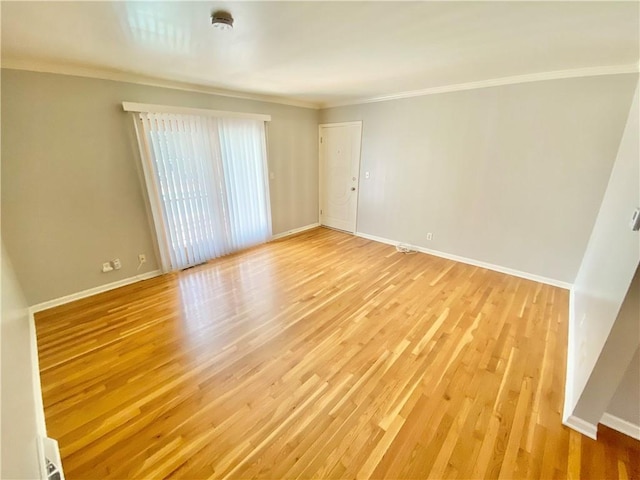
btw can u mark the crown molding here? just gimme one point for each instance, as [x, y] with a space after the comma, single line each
[495, 82]
[44, 66]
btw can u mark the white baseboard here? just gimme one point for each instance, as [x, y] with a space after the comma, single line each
[121, 283]
[35, 363]
[294, 231]
[569, 398]
[92, 291]
[471, 261]
[621, 425]
[582, 426]
[35, 378]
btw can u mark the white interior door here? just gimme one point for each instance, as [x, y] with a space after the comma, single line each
[339, 174]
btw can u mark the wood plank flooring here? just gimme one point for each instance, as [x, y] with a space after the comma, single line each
[318, 356]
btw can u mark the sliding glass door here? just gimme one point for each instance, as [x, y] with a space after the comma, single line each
[207, 183]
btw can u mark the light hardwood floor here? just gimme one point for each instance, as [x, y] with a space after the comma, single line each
[318, 356]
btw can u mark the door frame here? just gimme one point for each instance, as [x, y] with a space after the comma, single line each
[321, 162]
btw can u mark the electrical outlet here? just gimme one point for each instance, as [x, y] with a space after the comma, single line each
[116, 264]
[142, 258]
[429, 236]
[106, 267]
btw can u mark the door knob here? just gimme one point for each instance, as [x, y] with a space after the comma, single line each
[353, 189]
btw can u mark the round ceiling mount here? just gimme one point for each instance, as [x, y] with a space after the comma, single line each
[222, 20]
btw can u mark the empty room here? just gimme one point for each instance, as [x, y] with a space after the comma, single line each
[321, 239]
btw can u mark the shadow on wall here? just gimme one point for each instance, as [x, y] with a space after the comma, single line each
[22, 412]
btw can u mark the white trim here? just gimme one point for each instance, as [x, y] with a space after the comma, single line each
[42, 460]
[35, 377]
[92, 291]
[471, 261]
[495, 82]
[150, 185]
[151, 108]
[266, 180]
[621, 425]
[582, 426]
[321, 176]
[569, 402]
[340, 124]
[38, 403]
[138, 79]
[129, 77]
[288, 233]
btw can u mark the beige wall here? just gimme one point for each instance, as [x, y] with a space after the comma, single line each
[511, 175]
[19, 415]
[71, 193]
[625, 403]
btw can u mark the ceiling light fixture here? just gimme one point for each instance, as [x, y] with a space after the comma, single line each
[222, 20]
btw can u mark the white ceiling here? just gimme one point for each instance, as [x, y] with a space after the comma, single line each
[323, 52]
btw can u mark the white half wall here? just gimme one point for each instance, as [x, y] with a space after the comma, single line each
[613, 361]
[22, 415]
[601, 290]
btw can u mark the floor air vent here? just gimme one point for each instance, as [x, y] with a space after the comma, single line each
[51, 462]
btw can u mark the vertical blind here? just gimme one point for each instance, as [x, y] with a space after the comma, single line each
[207, 183]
